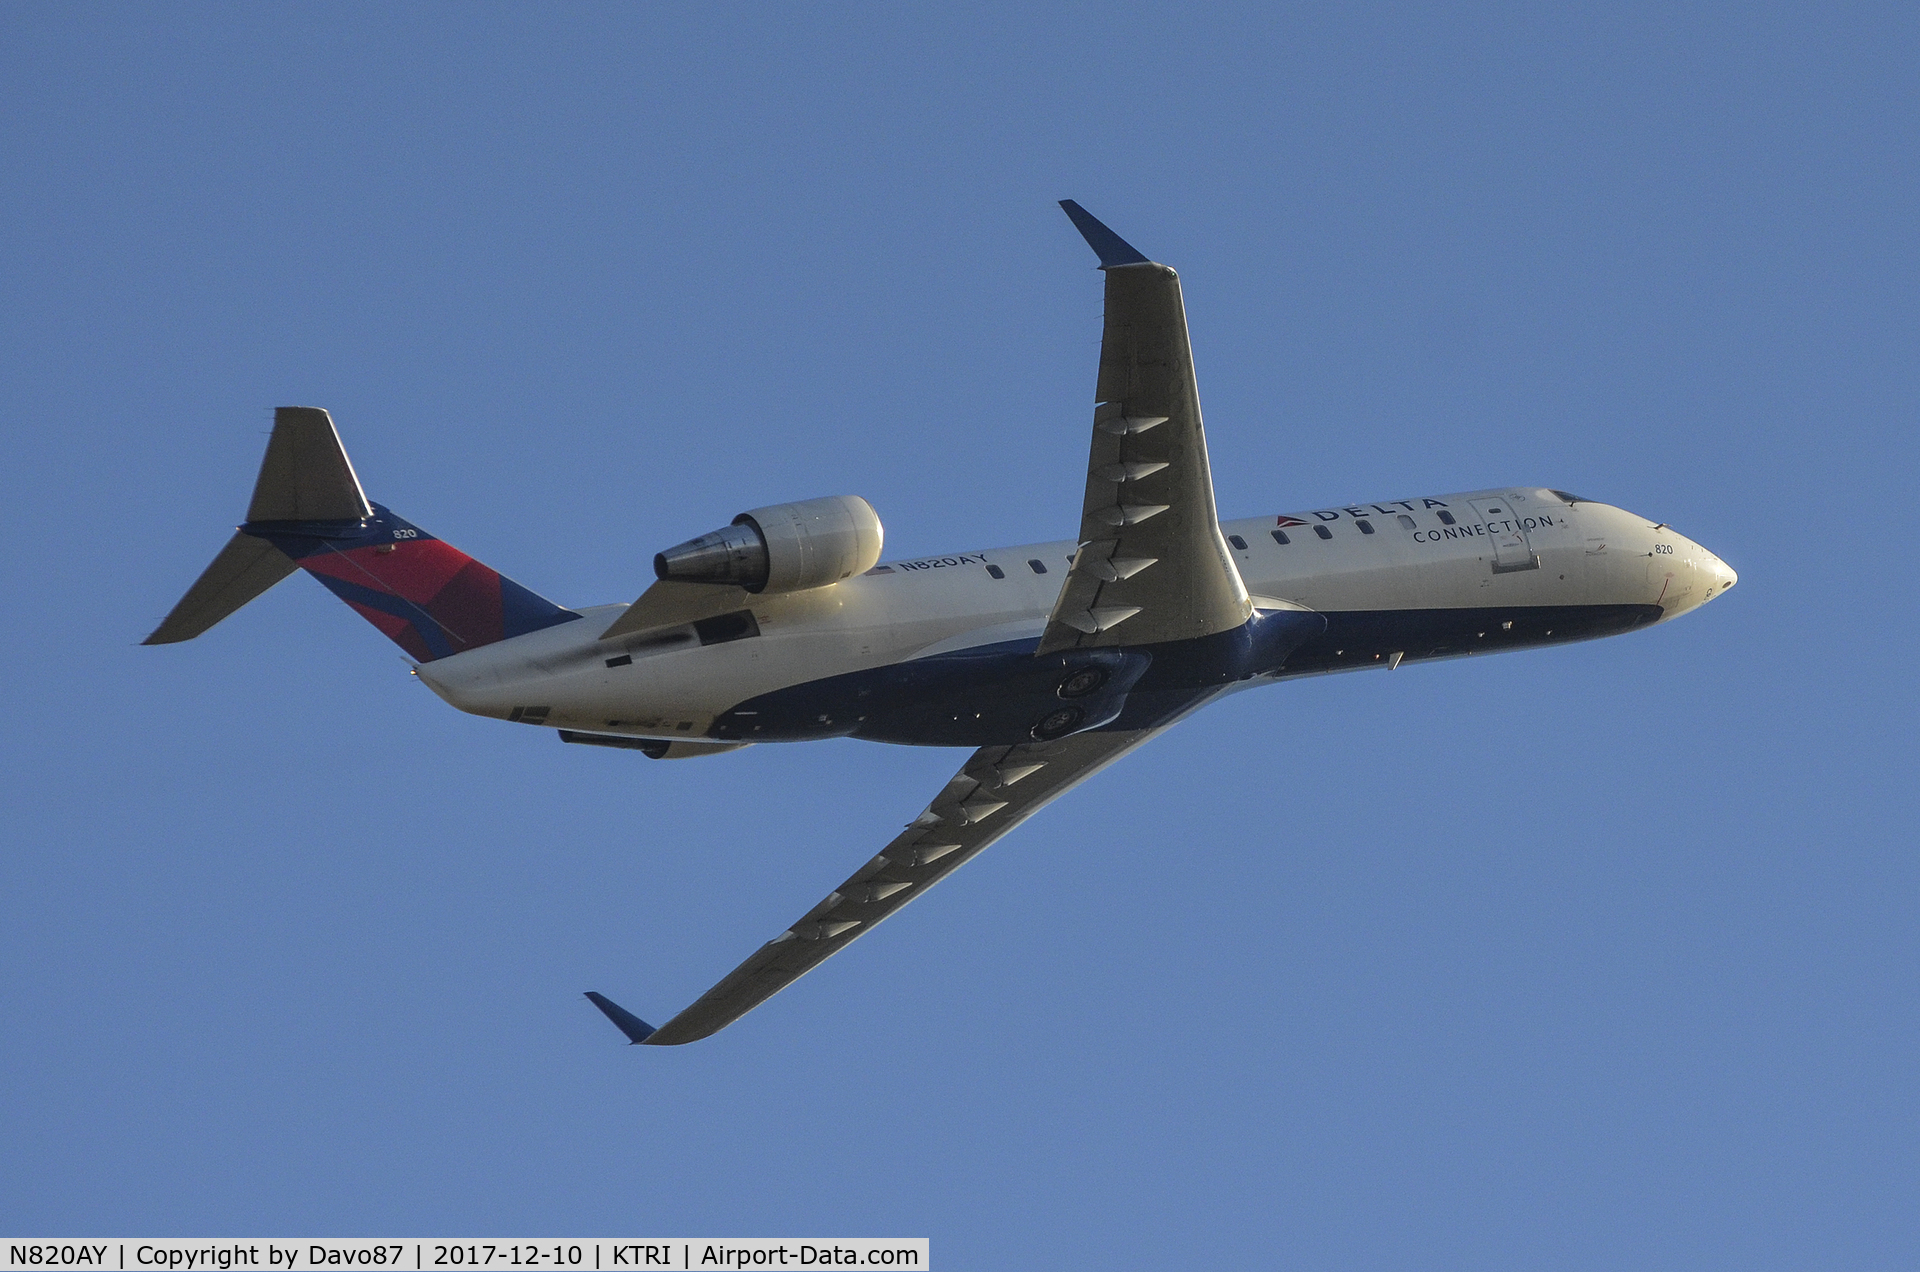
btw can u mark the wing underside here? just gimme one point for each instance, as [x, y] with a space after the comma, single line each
[996, 790]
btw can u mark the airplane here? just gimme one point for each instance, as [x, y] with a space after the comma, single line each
[1051, 660]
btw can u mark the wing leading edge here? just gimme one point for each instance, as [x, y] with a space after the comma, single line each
[994, 791]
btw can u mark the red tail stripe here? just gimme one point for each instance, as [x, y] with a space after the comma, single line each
[416, 571]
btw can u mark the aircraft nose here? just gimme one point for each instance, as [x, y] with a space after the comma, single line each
[1720, 575]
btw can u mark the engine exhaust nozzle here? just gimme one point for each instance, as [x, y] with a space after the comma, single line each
[736, 555]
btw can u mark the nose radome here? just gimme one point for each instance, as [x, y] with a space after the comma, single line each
[1720, 575]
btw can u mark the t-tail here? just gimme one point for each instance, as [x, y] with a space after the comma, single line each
[309, 512]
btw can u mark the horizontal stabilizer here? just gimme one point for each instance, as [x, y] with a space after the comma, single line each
[306, 475]
[245, 568]
[636, 1029]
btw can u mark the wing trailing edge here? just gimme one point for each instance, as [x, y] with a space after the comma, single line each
[996, 790]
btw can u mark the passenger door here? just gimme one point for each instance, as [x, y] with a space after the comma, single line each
[1511, 550]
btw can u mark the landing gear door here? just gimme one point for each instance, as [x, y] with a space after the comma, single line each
[1506, 530]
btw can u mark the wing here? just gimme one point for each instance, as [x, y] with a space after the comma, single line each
[1151, 565]
[996, 790]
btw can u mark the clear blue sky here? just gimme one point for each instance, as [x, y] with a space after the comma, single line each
[1600, 957]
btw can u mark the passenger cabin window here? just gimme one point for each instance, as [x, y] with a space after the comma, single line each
[1366, 527]
[1323, 532]
[1037, 566]
[996, 571]
[1446, 518]
[735, 626]
[1280, 537]
[1406, 522]
[1237, 542]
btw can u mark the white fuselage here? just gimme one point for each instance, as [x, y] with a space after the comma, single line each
[1526, 551]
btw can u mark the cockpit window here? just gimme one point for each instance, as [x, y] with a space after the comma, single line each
[1564, 497]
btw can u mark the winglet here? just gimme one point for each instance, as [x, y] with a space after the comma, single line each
[1108, 246]
[629, 1024]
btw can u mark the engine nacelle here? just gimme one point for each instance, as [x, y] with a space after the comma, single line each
[784, 548]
